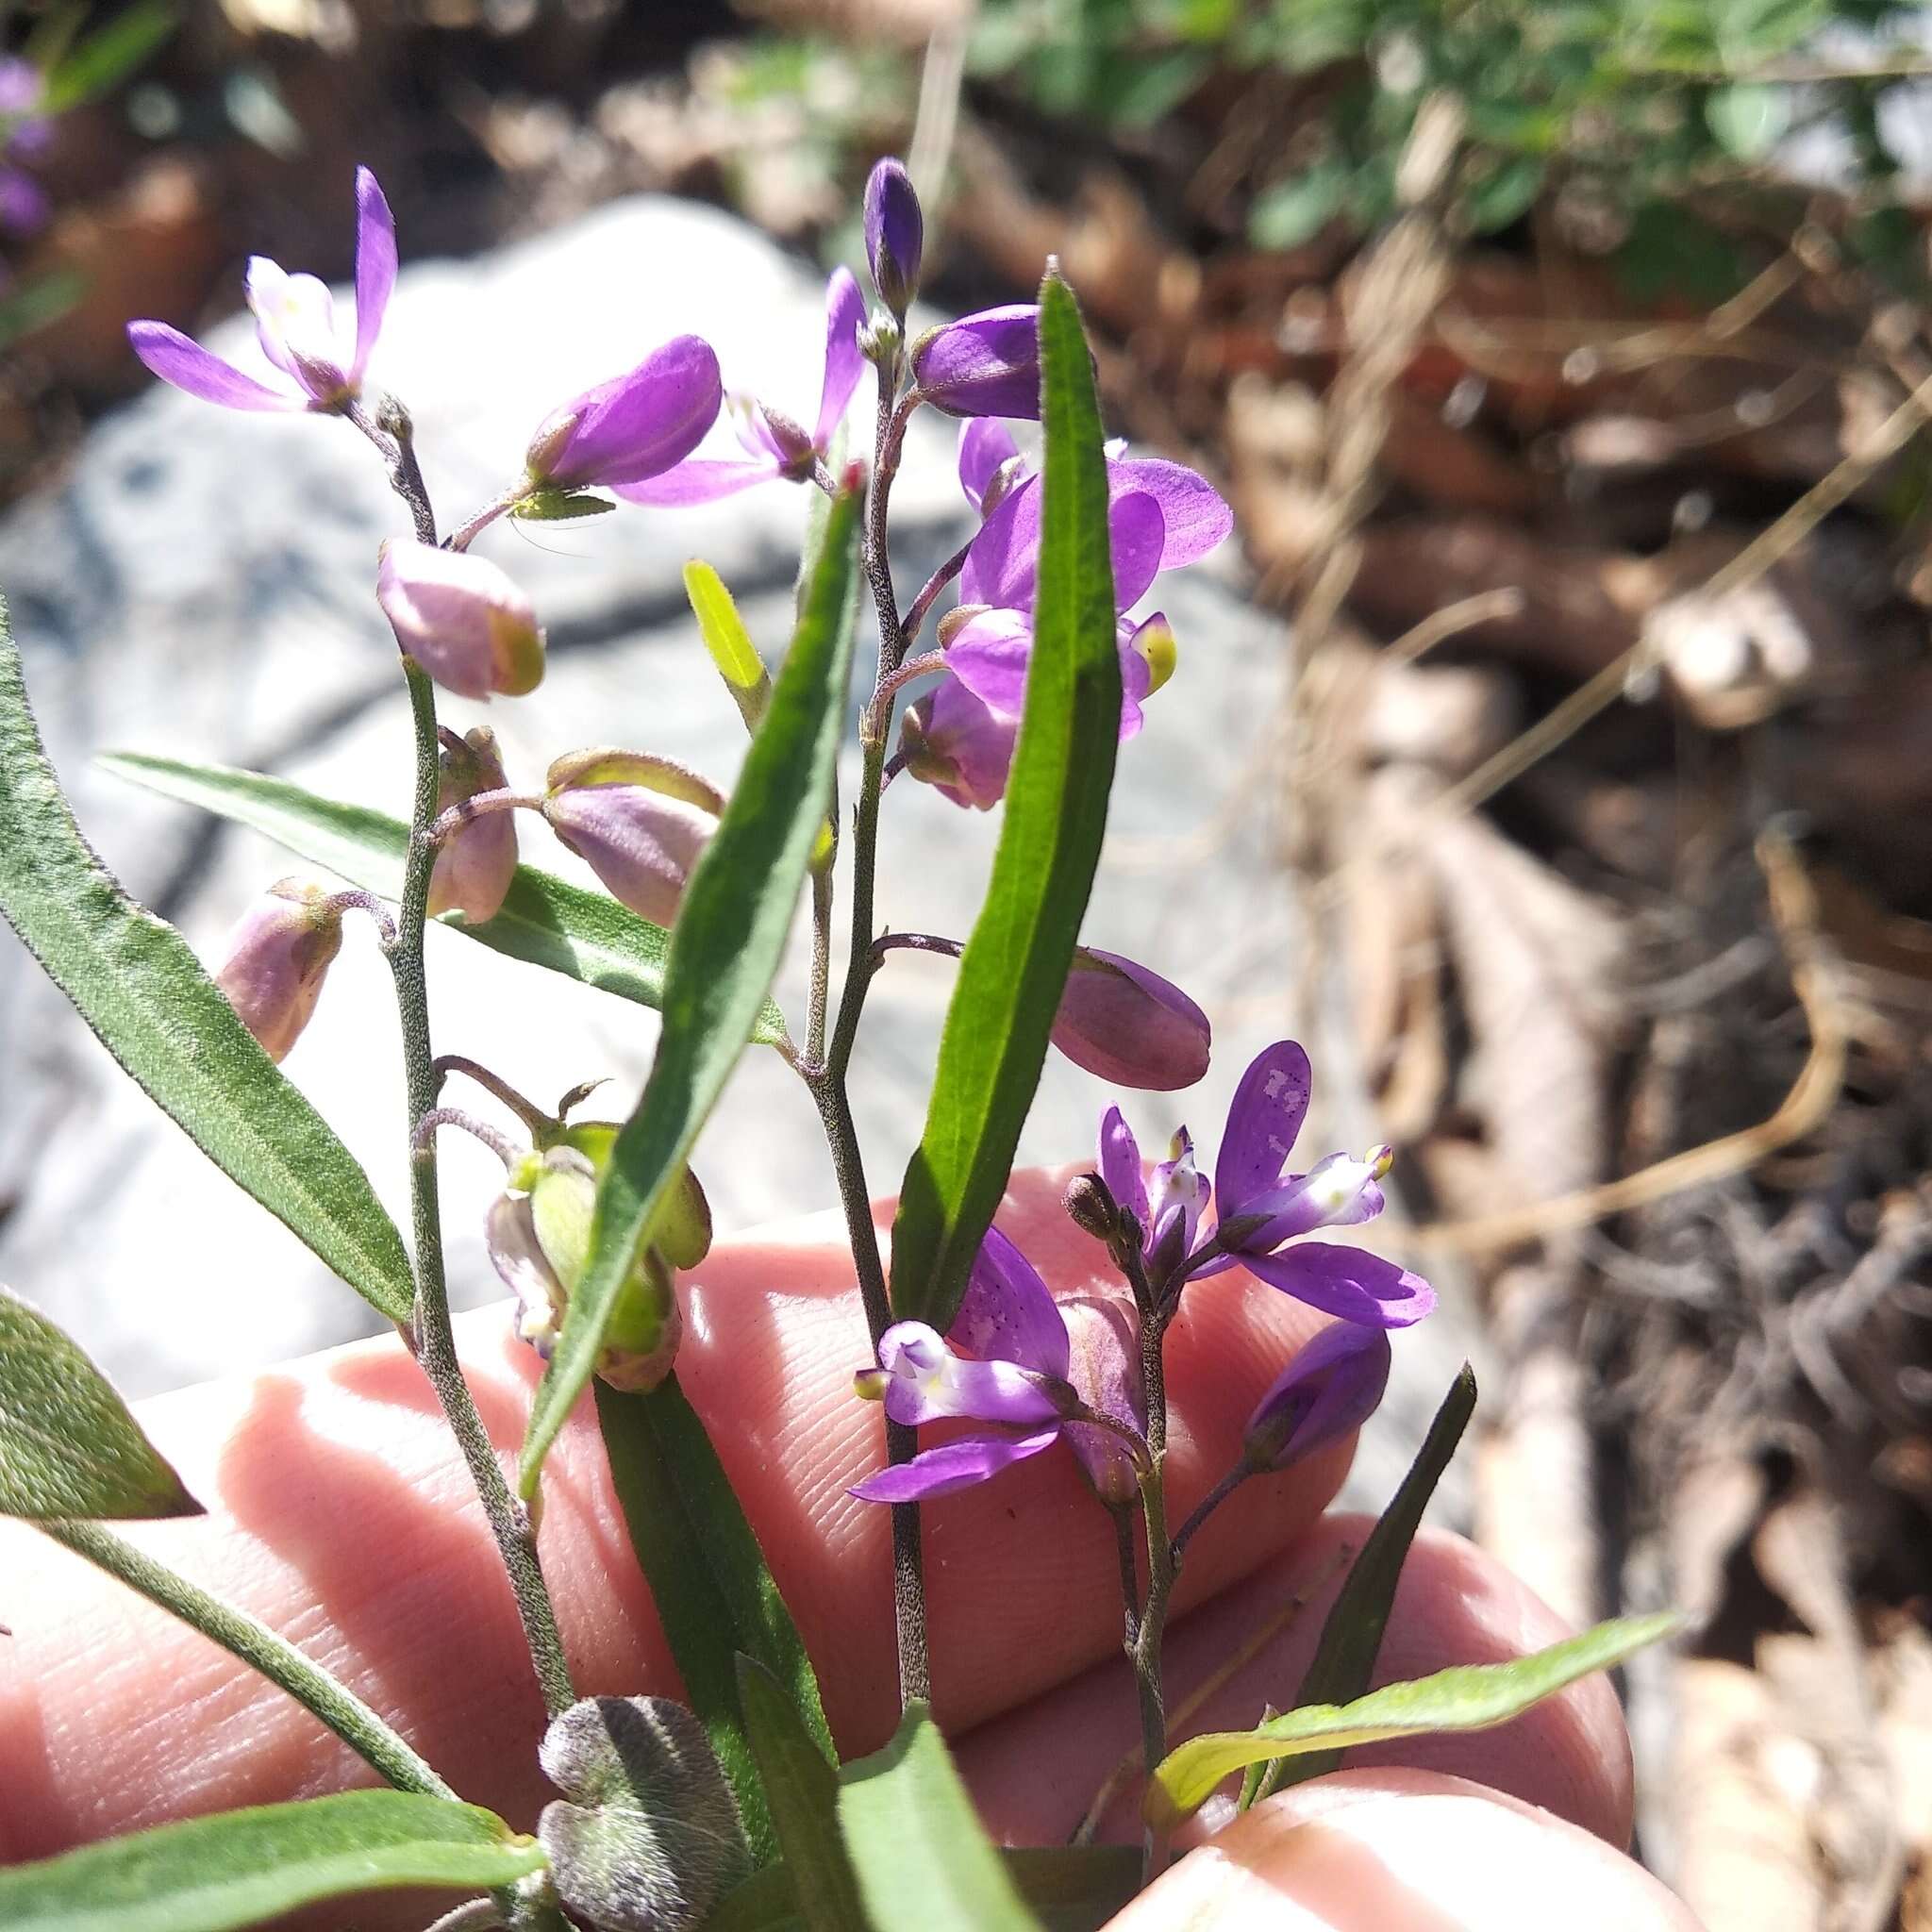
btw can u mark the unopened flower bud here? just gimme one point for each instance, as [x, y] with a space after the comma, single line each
[538, 1237]
[682, 1232]
[632, 428]
[1092, 1207]
[894, 235]
[277, 957]
[1128, 1026]
[881, 338]
[639, 823]
[986, 364]
[476, 862]
[461, 617]
[1331, 1387]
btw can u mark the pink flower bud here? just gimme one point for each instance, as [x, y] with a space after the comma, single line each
[277, 958]
[1329, 1389]
[894, 235]
[1118, 1020]
[632, 428]
[476, 862]
[639, 823]
[461, 617]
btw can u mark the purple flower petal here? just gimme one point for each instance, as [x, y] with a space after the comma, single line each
[175, 359]
[634, 426]
[1003, 561]
[23, 203]
[1120, 1166]
[376, 266]
[1179, 1195]
[1128, 1026]
[844, 365]
[952, 1466]
[1007, 1315]
[924, 1381]
[1135, 531]
[989, 656]
[1349, 1283]
[986, 364]
[985, 444]
[1196, 518]
[1330, 1388]
[697, 479]
[1263, 1119]
[1337, 1192]
[952, 741]
[1107, 1374]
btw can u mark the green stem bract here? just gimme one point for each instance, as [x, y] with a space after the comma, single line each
[434, 1340]
[258, 1646]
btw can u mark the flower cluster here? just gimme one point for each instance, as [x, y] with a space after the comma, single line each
[24, 132]
[1008, 1363]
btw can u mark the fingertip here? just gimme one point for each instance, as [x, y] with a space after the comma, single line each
[1367, 1849]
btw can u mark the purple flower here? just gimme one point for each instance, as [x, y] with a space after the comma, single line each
[634, 426]
[475, 864]
[1129, 1026]
[277, 960]
[1160, 516]
[894, 235]
[24, 206]
[986, 364]
[1010, 1363]
[294, 319]
[1168, 1213]
[641, 822]
[775, 445]
[1330, 1388]
[1260, 1206]
[462, 617]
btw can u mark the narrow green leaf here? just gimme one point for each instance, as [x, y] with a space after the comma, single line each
[1068, 1887]
[728, 642]
[801, 1780]
[731, 934]
[68, 1445]
[709, 1578]
[1467, 1697]
[1014, 970]
[1352, 1636]
[239, 1868]
[136, 983]
[545, 920]
[108, 56]
[1748, 118]
[921, 1855]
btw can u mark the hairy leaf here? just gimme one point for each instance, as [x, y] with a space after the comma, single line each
[731, 931]
[134, 979]
[545, 920]
[708, 1579]
[239, 1868]
[800, 1777]
[1013, 972]
[68, 1445]
[1468, 1697]
[921, 1855]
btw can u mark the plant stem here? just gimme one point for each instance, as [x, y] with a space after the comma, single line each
[1208, 1505]
[821, 966]
[1123, 1514]
[258, 1646]
[432, 1338]
[1145, 1648]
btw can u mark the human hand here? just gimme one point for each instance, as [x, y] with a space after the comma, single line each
[341, 1514]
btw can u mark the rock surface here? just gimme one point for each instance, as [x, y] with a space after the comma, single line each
[202, 589]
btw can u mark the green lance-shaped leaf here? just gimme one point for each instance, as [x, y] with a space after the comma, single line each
[1067, 1888]
[921, 1855]
[239, 1868]
[1014, 970]
[545, 920]
[731, 934]
[800, 1777]
[134, 979]
[728, 642]
[1352, 1636]
[714, 1592]
[68, 1445]
[1468, 1697]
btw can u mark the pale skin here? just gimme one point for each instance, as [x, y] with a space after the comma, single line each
[339, 1514]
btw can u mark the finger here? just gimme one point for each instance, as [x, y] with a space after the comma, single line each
[341, 1515]
[1035, 1772]
[1403, 1851]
